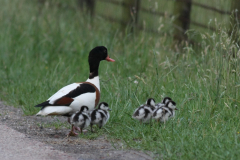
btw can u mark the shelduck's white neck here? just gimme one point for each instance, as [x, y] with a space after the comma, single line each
[95, 81]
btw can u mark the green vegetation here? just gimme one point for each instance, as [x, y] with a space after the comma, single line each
[45, 49]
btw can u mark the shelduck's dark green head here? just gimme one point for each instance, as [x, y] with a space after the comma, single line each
[96, 55]
[99, 53]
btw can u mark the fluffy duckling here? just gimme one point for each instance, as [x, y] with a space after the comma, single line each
[100, 115]
[144, 112]
[164, 101]
[80, 120]
[164, 113]
[171, 105]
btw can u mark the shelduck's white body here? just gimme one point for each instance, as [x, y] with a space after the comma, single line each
[65, 90]
[89, 99]
[59, 104]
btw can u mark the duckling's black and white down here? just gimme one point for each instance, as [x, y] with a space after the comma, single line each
[80, 120]
[144, 112]
[100, 116]
[164, 101]
[164, 113]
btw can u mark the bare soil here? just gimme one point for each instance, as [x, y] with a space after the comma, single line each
[34, 128]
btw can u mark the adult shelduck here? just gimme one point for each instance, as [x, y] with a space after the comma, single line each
[70, 98]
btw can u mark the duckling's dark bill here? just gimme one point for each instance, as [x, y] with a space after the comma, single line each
[110, 59]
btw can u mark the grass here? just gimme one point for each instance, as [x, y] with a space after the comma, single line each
[44, 51]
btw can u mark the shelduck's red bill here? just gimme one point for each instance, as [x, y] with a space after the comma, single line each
[110, 59]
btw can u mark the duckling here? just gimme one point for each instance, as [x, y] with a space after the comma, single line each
[144, 112]
[172, 107]
[100, 115]
[80, 120]
[164, 113]
[151, 103]
[164, 101]
[161, 114]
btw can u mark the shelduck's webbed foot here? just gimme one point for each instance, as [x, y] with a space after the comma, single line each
[76, 128]
[72, 133]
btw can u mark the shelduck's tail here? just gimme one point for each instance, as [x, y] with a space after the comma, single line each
[54, 110]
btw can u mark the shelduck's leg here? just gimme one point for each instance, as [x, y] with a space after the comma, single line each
[69, 120]
[84, 131]
[77, 128]
[81, 130]
[100, 125]
[72, 132]
[91, 128]
[159, 122]
[151, 121]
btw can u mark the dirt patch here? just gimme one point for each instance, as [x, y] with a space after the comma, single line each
[34, 127]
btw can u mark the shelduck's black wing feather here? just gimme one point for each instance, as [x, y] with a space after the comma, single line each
[83, 88]
[46, 103]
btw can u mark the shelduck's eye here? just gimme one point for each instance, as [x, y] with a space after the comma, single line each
[105, 51]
